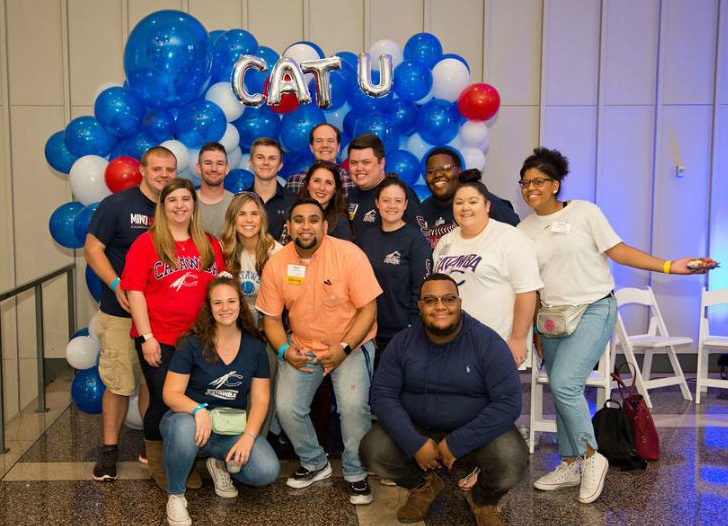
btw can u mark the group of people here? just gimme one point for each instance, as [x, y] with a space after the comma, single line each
[231, 310]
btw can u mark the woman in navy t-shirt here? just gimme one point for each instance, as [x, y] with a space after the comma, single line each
[218, 362]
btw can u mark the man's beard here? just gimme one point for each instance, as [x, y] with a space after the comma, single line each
[214, 183]
[300, 244]
[442, 332]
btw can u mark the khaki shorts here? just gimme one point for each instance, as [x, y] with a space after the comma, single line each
[118, 363]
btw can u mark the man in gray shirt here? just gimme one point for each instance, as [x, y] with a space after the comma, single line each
[213, 199]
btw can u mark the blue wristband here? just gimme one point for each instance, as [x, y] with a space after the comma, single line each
[114, 284]
[199, 406]
[282, 350]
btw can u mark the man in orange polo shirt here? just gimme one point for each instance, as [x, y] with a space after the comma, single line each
[330, 291]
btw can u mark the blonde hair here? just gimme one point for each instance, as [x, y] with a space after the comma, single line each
[163, 241]
[231, 241]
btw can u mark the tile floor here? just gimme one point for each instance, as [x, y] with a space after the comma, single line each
[46, 480]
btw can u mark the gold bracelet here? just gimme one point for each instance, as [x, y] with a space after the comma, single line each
[666, 266]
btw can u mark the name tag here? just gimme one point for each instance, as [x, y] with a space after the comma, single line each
[295, 274]
[559, 227]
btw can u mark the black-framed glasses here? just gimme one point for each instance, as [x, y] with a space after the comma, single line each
[449, 300]
[537, 182]
[439, 170]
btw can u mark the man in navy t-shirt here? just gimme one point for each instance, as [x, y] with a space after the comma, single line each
[118, 221]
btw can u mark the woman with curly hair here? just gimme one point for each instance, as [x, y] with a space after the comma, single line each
[217, 364]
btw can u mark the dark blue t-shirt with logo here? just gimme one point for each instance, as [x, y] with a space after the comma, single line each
[364, 215]
[217, 384]
[117, 222]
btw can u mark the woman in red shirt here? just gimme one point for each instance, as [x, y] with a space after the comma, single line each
[166, 274]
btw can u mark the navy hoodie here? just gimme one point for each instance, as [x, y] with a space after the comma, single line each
[468, 388]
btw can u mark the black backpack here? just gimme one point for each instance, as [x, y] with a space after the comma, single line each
[615, 439]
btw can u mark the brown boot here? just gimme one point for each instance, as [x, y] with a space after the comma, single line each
[419, 499]
[155, 463]
[484, 515]
[194, 480]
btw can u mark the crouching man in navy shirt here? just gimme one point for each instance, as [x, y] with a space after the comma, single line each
[446, 390]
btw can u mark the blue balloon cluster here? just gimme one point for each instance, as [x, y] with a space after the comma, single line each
[87, 390]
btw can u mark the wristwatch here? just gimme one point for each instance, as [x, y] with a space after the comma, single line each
[147, 336]
[346, 347]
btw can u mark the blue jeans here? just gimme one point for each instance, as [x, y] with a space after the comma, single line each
[295, 391]
[569, 361]
[180, 451]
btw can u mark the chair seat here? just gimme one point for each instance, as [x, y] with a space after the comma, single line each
[716, 341]
[646, 340]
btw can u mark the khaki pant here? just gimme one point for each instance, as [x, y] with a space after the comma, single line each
[118, 363]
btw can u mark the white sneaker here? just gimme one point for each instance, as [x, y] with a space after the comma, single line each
[593, 472]
[221, 478]
[177, 511]
[563, 476]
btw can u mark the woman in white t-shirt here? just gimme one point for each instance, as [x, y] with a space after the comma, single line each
[573, 240]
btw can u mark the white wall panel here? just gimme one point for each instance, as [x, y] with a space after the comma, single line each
[630, 60]
[689, 33]
[337, 26]
[459, 25]
[512, 139]
[35, 61]
[95, 49]
[393, 21]
[276, 24]
[572, 51]
[220, 14]
[513, 50]
[138, 9]
[572, 130]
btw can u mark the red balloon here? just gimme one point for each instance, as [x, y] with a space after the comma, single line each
[289, 102]
[122, 173]
[345, 164]
[479, 102]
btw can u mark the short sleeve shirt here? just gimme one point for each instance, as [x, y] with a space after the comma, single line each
[213, 216]
[249, 278]
[364, 214]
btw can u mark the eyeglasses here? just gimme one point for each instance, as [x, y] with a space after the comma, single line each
[449, 301]
[439, 170]
[537, 182]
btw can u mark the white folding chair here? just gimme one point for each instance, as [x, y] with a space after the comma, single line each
[599, 378]
[709, 343]
[655, 340]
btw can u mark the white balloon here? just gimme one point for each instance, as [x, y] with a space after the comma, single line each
[222, 94]
[187, 173]
[133, 419]
[449, 78]
[456, 143]
[180, 152]
[230, 139]
[103, 87]
[336, 117]
[417, 146]
[194, 155]
[234, 157]
[87, 179]
[475, 134]
[281, 180]
[473, 158]
[244, 162]
[93, 331]
[82, 352]
[300, 52]
[382, 47]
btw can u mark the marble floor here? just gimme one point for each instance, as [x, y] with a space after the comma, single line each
[46, 480]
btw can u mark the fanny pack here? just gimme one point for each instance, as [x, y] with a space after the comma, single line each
[560, 320]
[228, 421]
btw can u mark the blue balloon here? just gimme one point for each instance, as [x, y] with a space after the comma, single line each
[61, 225]
[159, 125]
[405, 164]
[134, 146]
[339, 80]
[403, 116]
[296, 127]
[214, 35]
[412, 80]
[298, 163]
[361, 101]
[57, 154]
[167, 58]
[87, 390]
[456, 57]
[86, 136]
[423, 47]
[200, 122]
[93, 283]
[257, 122]
[437, 122]
[80, 332]
[120, 111]
[349, 58]
[378, 124]
[351, 119]
[254, 79]
[238, 180]
[422, 191]
[227, 50]
[82, 220]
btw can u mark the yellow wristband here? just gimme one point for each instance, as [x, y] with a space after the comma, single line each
[666, 266]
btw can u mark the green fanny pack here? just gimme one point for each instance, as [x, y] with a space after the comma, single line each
[228, 421]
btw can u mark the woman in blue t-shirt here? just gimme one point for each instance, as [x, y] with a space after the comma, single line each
[220, 360]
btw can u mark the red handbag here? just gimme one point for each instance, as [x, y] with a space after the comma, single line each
[646, 440]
